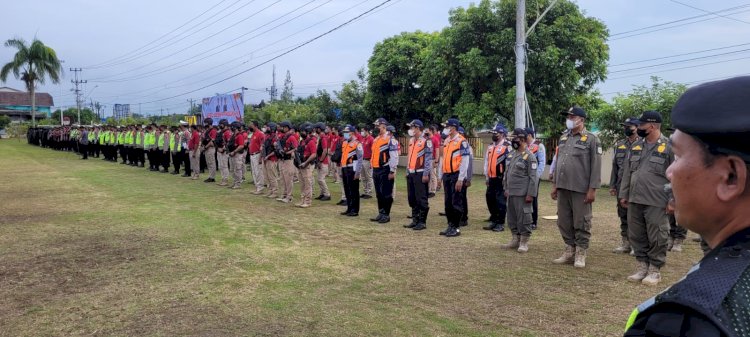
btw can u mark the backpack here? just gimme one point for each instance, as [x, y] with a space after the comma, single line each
[336, 157]
[231, 146]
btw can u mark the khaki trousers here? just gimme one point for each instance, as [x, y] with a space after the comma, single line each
[210, 154]
[258, 174]
[574, 218]
[223, 159]
[322, 172]
[306, 180]
[287, 177]
[272, 176]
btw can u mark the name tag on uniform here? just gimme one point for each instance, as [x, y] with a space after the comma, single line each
[534, 166]
[658, 160]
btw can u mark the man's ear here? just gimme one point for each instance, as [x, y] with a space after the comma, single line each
[733, 172]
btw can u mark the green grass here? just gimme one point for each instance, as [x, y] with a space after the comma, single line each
[95, 248]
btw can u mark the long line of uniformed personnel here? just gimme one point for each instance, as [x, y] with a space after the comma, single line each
[280, 154]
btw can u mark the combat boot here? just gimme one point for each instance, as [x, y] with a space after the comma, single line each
[566, 257]
[422, 223]
[223, 182]
[624, 248]
[523, 246]
[580, 258]
[676, 246]
[414, 218]
[641, 271]
[513, 244]
[654, 276]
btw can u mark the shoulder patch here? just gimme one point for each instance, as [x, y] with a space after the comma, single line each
[429, 144]
[563, 137]
[599, 150]
[525, 156]
[534, 166]
[637, 148]
[622, 147]
[661, 148]
[584, 138]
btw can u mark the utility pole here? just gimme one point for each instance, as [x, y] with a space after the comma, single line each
[273, 91]
[190, 110]
[242, 98]
[520, 107]
[77, 90]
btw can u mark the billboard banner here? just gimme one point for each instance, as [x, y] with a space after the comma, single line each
[229, 107]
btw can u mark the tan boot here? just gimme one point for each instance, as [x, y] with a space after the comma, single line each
[624, 247]
[513, 244]
[676, 246]
[580, 258]
[641, 271]
[566, 257]
[654, 276]
[523, 245]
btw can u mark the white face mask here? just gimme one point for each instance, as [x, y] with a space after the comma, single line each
[411, 133]
[446, 131]
[362, 133]
[570, 124]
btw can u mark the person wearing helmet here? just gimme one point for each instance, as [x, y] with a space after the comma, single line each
[256, 142]
[287, 146]
[222, 155]
[494, 171]
[236, 151]
[209, 148]
[322, 162]
[270, 161]
[351, 166]
[307, 152]
[384, 165]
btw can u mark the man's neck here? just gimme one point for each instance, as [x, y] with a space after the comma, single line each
[653, 137]
[577, 130]
[732, 225]
[633, 138]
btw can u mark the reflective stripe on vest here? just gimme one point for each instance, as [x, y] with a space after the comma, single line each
[493, 156]
[138, 138]
[380, 151]
[348, 153]
[417, 154]
[176, 147]
[452, 155]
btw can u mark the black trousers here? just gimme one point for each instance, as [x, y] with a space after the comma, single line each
[176, 161]
[123, 153]
[383, 189]
[622, 213]
[417, 191]
[97, 149]
[454, 200]
[351, 189]
[465, 196]
[535, 204]
[84, 150]
[165, 160]
[496, 202]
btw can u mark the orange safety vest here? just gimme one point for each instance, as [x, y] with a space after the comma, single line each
[348, 153]
[452, 155]
[380, 151]
[493, 156]
[417, 154]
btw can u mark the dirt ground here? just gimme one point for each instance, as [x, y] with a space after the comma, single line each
[101, 249]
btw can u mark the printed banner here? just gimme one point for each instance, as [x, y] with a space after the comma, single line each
[229, 107]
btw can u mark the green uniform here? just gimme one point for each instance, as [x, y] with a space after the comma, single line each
[520, 181]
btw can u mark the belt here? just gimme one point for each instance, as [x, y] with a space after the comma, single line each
[350, 165]
[415, 171]
[252, 154]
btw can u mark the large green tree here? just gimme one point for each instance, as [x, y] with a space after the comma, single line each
[659, 96]
[32, 64]
[87, 115]
[468, 69]
[351, 99]
[394, 90]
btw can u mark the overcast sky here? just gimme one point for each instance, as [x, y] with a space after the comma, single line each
[149, 51]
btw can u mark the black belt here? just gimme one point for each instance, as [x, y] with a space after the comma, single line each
[252, 154]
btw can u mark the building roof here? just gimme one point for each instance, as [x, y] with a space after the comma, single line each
[10, 96]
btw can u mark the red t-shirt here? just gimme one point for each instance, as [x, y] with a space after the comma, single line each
[212, 133]
[311, 146]
[436, 144]
[367, 145]
[257, 141]
[333, 140]
[292, 142]
[324, 144]
[195, 140]
[227, 135]
[239, 139]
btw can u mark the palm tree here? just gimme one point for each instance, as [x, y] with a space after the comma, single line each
[32, 64]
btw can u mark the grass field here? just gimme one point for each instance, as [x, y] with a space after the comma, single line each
[102, 249]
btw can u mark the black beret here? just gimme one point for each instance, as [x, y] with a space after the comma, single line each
[720, 107]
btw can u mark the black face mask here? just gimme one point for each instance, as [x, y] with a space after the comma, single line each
[628, 132]
[643, 133]
[303, 134]
[516, 144]
[495, 138]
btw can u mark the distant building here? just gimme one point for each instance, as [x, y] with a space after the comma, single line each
[120, 111]
[16, 104]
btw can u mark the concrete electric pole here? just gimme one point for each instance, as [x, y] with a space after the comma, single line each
[77, 90]
[520, 107]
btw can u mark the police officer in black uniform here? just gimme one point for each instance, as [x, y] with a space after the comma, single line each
[710, 180]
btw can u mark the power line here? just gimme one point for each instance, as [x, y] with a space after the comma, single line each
[709, 12]
[681, 68]
[229, 69]
[678, 55]
[128, 54]
[685, 83]
[211, 51]
[679, 20]
[280, 55]
[680, 61]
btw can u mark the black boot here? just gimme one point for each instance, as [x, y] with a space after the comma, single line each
[446, 230]
[499, 227]
[385, 219]
[490, 226]
[454, 231]
[414, 218]
[422, 223]
[377, 218]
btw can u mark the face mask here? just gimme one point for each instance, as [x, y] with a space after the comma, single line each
[411, 133]
[495, 138]
[347, 136]
[303, 134]
[643, 133]
[570, 124]
[362, 134]
[516, 144]
[628, 132]
[446, 131]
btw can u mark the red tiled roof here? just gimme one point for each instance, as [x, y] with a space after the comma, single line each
[23, 98]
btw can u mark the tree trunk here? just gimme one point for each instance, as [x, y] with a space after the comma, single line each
[33, 106]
